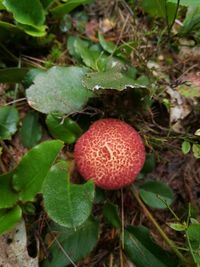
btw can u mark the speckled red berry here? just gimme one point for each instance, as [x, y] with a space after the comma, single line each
[111, 153]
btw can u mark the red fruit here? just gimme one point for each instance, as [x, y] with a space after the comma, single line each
[111, 153]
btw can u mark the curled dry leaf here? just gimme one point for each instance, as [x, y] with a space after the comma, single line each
[179, 109]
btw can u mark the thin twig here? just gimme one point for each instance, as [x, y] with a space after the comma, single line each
[62, 249]
[121, 258]
[111, 260]
[15, 101]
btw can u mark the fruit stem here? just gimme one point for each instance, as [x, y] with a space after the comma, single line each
[159, 229]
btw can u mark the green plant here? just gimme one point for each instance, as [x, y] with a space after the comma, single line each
[64, 69]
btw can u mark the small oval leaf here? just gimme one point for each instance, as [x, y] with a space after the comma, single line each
[178, 226]
[185, 147]
[156, 194]
[196, 150]
[197, 132]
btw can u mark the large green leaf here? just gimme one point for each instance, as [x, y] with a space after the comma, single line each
[156, 194]
[8, 122]
[111, 79]
[31, 131]
[8, 196]
[186, 2]
[77, 243]
[59, 90]
[12, 75]
[64, 129]
[33, 168]
[8, 218]
[143, 252]
[67, 204]
[26, 12]
[67, 7]
[159, 8]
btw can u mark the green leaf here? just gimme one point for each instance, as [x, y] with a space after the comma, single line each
[26, 12]
[193, 233]
[12, 75]
[36, 31]
[59, 90]
[100, 195]
[33, 168]
[107, 46]
[8, 122]
[2, 7]
[8, 218]
[8, 196]
[197, 132]
[111, 79]
[30, 76]
[111, 213]
[185, 147]
[31, 131]
[178, 226]
[8, 30]
[159, 8]
[186, 2]
[155, 194]
[150, 163]
[67, 204]
[143, 252]
[46, 3]
[73, 241]
[63, 9]
[196, 150]
[70, 45]
[193, 237]
[64, 129]
[189, 91]
[94, 59]
[191, 24]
